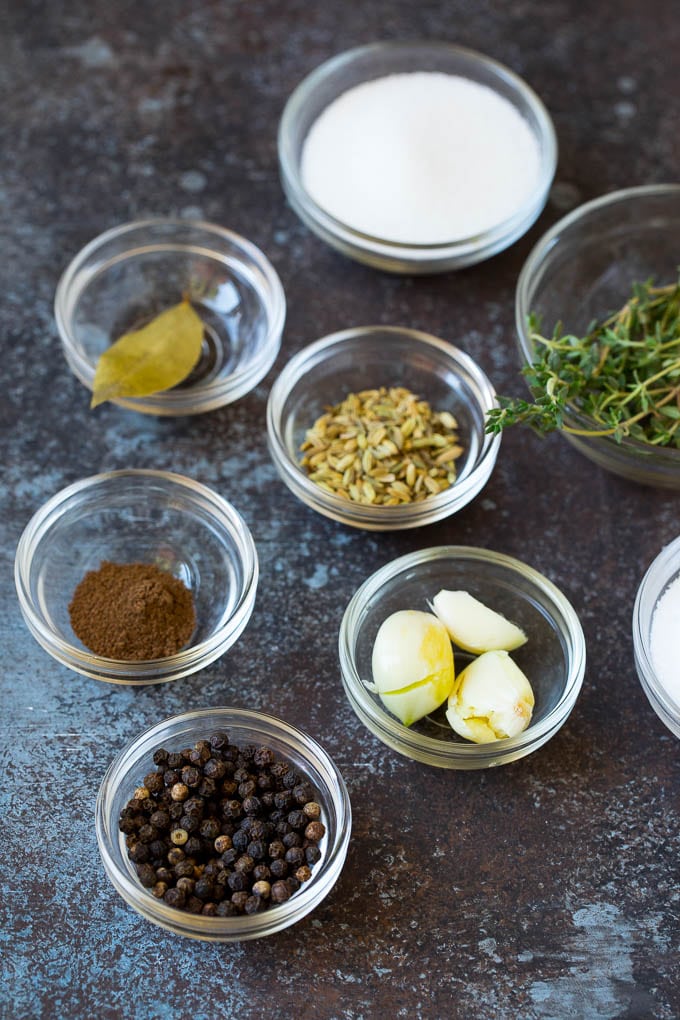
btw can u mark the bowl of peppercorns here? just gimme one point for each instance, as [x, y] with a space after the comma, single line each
[136, 576]
[223, 824]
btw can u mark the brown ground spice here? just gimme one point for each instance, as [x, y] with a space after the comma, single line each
[132, 611]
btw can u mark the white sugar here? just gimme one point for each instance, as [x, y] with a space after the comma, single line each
[665, 640]
[421, 158]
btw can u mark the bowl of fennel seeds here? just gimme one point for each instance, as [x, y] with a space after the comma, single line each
[382, 427]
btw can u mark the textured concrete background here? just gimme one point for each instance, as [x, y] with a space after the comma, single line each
[545, 889]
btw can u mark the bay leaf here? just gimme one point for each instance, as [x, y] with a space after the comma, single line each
[151, 359]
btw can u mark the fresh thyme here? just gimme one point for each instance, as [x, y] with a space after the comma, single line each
[624, 375]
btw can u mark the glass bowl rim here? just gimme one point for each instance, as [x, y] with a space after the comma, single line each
[425, 511]
[545, 136]
[663, 569]
[205, 396]
[243, 927]
[537, 258]
[466, 755]
[117, 670]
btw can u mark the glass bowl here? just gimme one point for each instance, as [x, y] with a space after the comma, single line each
[553, 658]
[661, 574]
[128, 275]
[367, 63]
[244, 727]
[583, 269]
[326, 371]
[137, 516]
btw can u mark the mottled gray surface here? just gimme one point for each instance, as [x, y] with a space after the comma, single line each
[545, 889]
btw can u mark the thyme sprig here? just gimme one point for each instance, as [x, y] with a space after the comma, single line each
[624, 374]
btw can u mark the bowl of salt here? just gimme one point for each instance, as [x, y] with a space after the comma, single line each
[416, 157]
[656, 620]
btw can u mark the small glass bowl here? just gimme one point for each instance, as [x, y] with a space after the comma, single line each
[553, 658]
[583, 269]
[137, 516]
[366, 63]
[329, 369]
[244, 727]
[661, 573]
[128, 275]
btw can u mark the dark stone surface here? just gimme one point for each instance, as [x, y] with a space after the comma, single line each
[548, 888]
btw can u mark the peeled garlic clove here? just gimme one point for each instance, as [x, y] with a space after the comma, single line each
[474, 626]
[491, 699]
[413, 669]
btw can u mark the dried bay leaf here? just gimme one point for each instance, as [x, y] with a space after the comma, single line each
[151, 359]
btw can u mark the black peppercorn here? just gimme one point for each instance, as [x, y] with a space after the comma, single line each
[237, 881]
[146, 875]
[207, 787]
[154, 782]
[280, 892]
[204, 889]
[256, 850]
[295, 856]
[174, 760]
[193, 846]
[312, 810]
[244, 864]
[209, 910]
[214, 769]
[283, 800]
[315, 831]
[239, 899]
[232, 809]
[263, 757]
[279, 868]
[226, 909]
[240, 840]
[292, 839]
[175, 855]
[160, 820]
[139, 854]
[175, 898]
[297, 819]
[261, 873]
[302, 793]
[223, 843]
[312, 854]
[160, 757]
[254, 904]
[190, 775]
[219, 739]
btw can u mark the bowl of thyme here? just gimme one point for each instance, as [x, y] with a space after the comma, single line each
[598, 324]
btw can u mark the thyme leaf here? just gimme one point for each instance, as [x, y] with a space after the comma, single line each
[624, 374]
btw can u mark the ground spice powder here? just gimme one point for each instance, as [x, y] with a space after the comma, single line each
[132, 611]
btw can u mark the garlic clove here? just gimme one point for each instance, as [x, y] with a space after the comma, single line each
[473, 626]
[491, 699]
[410, 646]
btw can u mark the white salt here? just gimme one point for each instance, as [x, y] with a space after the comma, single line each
[421, 158]
[665, 640]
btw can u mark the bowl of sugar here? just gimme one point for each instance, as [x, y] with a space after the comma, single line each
[416, 157]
